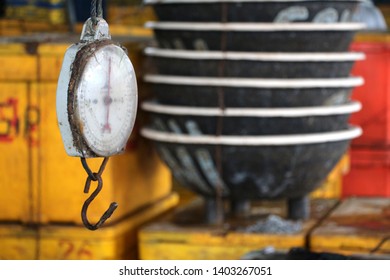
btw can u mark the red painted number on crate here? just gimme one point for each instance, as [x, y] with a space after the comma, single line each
[9, 121]
[32, 122]
[70, 250]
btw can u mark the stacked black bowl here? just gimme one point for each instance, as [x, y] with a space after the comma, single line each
[252, 97]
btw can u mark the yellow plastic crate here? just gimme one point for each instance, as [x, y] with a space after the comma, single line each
[130, 14]
[53, 16]
[182, 235]
[18, 67]
[118, 241]
[356, 226]
[333, 184]
[15, 187]
[50, 58]
[9, 27]
[31, 62]
[51, 13]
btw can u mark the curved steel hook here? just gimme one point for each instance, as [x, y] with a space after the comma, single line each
[106, 214]
[95, 177]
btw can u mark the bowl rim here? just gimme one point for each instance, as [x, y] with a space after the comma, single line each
[147, 2]
[255, 82]
[275, 112]
[267, 140]
[254, 27]
[256, 56]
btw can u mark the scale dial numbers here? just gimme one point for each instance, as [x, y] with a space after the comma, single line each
[106, 101]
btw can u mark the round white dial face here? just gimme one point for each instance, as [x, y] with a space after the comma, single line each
[106, 100]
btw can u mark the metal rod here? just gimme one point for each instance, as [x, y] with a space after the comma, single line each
[298, 208]
[93, 10]
[214, 211]
[240, 208]
[100, 9]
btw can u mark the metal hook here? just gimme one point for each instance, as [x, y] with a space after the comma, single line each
[95, 177]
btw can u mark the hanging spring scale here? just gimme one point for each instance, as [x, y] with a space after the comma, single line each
[96, 103]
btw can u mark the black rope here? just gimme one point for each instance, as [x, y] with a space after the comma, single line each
[96, 10]
[100, 9]
[93, 10]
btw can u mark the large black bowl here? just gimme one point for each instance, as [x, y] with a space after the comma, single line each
[230, 92]
[249, 121]
[254, 10]
[255, 37]
[252, 167]
[264, 65]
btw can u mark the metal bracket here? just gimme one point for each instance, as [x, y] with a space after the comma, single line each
[93, 31]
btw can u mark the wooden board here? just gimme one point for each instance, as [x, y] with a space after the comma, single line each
[183, 235]
[356, 226]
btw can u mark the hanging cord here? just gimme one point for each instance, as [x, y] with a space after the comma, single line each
[93, 10]
[96, 10]
[100, 9]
